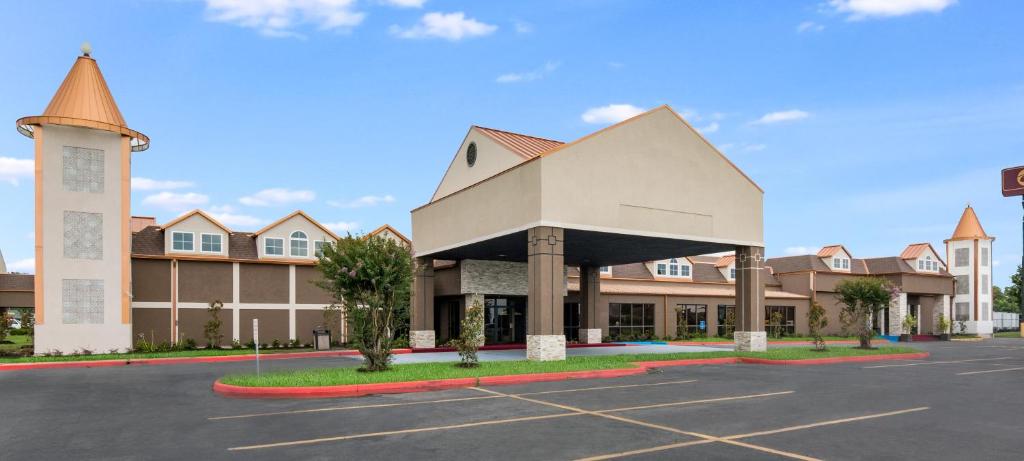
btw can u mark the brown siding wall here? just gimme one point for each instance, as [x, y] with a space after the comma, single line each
[17, 299]
[273, 324]
[925, 284]
[799, 283]
[151, 280]
[307, 319]
[833, 307]
[447, 281]
[263, 283]
[205, 282]
[154, 324]
[306, 290]
[192, 324]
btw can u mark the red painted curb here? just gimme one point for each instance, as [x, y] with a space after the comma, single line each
[351, 390]
[180, 360]
[688, 362]
[831, 360]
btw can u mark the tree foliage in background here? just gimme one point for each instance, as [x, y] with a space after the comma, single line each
[371, 278]
[28, 321]
[5, 324]
[862, 297]
[212, 328]
[1008, 299]
[817, 320]
[775, 326]
[472, 336]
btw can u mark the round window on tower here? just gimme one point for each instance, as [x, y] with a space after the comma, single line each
[471, 154]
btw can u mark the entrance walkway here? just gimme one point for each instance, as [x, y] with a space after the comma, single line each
[520, 354]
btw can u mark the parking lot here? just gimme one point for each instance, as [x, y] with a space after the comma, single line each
[963, 401]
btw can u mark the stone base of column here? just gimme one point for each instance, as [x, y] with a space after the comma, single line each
[590, 335]
[545, 347]
[751, 341]
[421, 339]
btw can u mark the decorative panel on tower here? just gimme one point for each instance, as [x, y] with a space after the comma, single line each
[83, 169]
[82, 301]
[83, 235]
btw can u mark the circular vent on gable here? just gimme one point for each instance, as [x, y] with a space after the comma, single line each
[471, 154]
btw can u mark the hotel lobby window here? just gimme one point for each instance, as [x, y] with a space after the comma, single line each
[696, 320]
[182, 241]
[726, 320]
[299, 244]
[273, 247]
[784, 321]
[211, 243]
[630, 321]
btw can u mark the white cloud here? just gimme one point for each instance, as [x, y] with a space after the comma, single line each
[809, 26]
[449, 26]
[14, 169]
[342, 226]
[710, 128]
[174, 201]
[754, 147]
[865, 9]
[157, 184]
[530, 76]
[278, 196]
[25, 266]
[279, 18]
[229, 216]
[405, 3]
[612, 113]
[781, 116]
[362, 202]
[801, 250]
[522, 27]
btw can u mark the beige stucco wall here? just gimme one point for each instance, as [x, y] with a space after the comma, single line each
[284, 230]
[197, 225]
[53, 334]
[491, 159]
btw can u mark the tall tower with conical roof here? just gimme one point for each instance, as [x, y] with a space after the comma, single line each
[83, 153]
[969, 258]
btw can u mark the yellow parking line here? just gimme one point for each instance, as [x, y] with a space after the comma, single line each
[694, 402]
[825, 423]
[990, 371]
[402, 431]
[424, 402]
[938, 362]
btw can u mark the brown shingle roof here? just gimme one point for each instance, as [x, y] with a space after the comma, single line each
[148, 241]
[17, 282]
[242, 245]
[524, 145]
[703, 272]
[632, 271]
[799, 263]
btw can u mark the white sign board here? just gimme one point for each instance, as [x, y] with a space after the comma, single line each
[256, 331]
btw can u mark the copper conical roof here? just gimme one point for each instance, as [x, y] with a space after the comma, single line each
[84, 100]
[969, 227]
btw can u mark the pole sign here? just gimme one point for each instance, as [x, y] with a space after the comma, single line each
[1013, 181]
[256, 340]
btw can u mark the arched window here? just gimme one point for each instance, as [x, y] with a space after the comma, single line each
[299, 244]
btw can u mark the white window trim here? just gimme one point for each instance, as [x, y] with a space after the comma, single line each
[601, 270]
[314, 246]
[732, 273]
[290, 239]
[679, 264]
[267, 253]
[201, 250]
[193, 234]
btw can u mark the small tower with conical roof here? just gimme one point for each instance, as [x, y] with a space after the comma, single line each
[969, 259]
[83, 153]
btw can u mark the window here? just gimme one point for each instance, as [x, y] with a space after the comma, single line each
[471, 154]
[984, 257]
[732, 272]
[673, 268]
[963, 311]
[840, 263]
[984, 311]
[726, 320]
[299, 244]
[606, 270]
[691, 320]
[318, 248]
[684, 271]
[963, 285]
[630, 321]
[962, 256]
[846, 264]
[984, 284]
[210, 243]
[273, 247]
[662, 269]
[927, 264]
[183, 241]
[780, 320]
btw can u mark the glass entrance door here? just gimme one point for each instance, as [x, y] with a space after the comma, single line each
[504, 319]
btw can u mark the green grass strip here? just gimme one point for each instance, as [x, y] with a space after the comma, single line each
[449, 370]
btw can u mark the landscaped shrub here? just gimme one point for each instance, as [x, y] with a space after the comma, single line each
[212, 328]
[275, 343]
[250, 345]
[472, 336]
[236, 344]
[817, 320]
[943, 324]
[5, 324]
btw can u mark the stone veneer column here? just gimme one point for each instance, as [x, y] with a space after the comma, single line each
[421, 316]
[750, 334]
[897, 311]
[545, 334]
[590, 293]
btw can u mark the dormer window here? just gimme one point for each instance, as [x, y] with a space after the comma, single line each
[606, 270]
[183, 241]
[273, 247]
[211, 243]
[927, 264]
[732, 273]
[318, 248]
[299, 244]
[840, 263]
[673, 268]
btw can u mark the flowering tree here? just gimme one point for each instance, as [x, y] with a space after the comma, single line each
[370, 277]
[862, 297]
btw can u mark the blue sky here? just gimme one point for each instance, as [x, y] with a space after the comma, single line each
[867, 123]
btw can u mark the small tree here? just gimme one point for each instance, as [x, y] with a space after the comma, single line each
[28, 321]
[5, 324]
[909, 322]
[683, 328]
[817, 320]
[371, 278]
[862, 298]
[775, 319]
[943, 324]
[730, 323]
[212, 328]
[472, 336]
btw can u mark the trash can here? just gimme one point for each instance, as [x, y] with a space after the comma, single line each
[321, 339]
